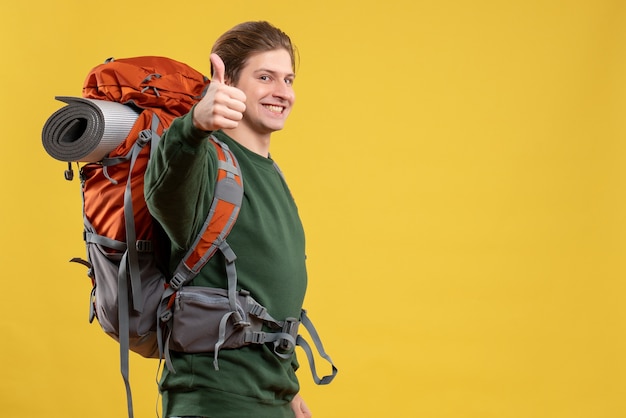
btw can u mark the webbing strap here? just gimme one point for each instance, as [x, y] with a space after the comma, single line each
[228, 166]
[135, 279]
[166, 352]
[304, 319]
[222, 336]
[93, 238]
[155, 138]
[124, 325]
[164, 316]
[131, 235]
[231, 274]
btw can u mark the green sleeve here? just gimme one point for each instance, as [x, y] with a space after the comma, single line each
[177, 180]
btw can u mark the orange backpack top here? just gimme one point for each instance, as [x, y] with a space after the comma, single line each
[162, 89]
[175, 87]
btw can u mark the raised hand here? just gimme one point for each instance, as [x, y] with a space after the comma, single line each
[222, 106]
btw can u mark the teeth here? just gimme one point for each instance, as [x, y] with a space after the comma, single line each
[275, 109]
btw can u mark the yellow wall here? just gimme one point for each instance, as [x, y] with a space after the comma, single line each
[459, 166]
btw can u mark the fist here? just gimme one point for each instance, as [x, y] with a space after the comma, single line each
[222, 106]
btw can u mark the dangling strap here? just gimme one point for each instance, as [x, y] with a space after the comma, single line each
[124, 324]
[222, 337]
[304, 319]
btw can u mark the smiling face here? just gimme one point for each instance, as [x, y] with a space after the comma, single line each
[267, 81]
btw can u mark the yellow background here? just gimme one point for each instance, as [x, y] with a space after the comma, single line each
[459, 167]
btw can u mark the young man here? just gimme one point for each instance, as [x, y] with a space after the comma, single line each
[250, 97]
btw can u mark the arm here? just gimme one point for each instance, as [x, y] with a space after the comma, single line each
[177, 181]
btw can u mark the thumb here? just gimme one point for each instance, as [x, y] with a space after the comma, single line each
[218, 68]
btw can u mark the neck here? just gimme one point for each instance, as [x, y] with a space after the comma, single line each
[255, 142]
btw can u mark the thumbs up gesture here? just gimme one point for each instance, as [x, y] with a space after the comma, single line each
[222, 106]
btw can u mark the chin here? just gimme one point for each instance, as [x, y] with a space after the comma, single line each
[274, 127]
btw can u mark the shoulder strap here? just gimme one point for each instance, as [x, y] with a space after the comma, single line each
[221, 218]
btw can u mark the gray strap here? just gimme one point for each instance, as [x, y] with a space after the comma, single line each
[231, 274]
[278, 338]
[131, 237]
[230, 191]
[162, 342]
[105, 241]
[124, 324]
[164, 313]
[222, 337]
[278, 169]
[228, 166]
[165, 353]
[155, 138]
[320, 349]
[92, 307]
[256, 309]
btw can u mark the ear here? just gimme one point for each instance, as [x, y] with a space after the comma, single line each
[228, 81]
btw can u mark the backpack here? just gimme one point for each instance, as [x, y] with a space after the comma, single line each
[133, 298]
[114, 210]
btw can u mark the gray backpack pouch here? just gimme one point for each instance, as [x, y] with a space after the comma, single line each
[204, 321]
[142, 325]
[203, 317]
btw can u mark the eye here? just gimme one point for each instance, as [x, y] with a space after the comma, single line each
[289, 81]
[265, 78]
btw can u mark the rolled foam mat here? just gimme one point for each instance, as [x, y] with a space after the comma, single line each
[86, 130]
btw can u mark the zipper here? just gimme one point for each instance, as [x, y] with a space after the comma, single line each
[201, 298]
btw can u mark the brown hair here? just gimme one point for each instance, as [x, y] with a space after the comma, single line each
[246, 39]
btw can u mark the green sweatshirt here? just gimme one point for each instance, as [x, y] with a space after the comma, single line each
[268, 240]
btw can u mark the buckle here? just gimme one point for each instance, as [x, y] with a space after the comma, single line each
[176, 282]
[257, 310]
[256, 337]
[143, 246]
[289, 327]
[239, 321]
[166, 316]
[144, 137]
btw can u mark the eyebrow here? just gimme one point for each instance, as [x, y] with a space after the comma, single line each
[274, 73]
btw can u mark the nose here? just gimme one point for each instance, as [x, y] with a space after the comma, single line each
[284, 91]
